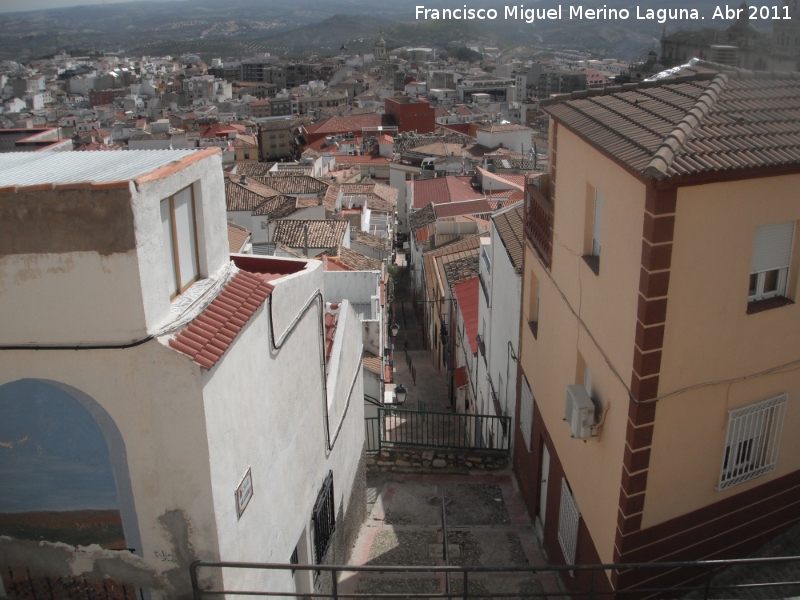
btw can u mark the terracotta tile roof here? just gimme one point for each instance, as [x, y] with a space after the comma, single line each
[358, 261]
[455, 250]
[308, 201]
[326, 233]
[277, 207]
[423, 235]
[510, 226]
[460, 377]
[345, 124]
[466, 293]
[467, 207]
[443, 189]
[422, 218]
[331, 195]
[373, 241]
[246, 196]
[385, 139]
[245, 141]
[254, 169]
[385, 197]
[276, 125]
[208, 336]
[291, 184]
[372, 363]
[237, 237]
[695, 124]
[463, 110]
[458, 269]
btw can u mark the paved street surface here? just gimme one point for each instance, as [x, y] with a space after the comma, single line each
[429, 388]
[487, 525]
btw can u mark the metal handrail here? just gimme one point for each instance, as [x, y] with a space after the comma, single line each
[710, 566]
[443, 429]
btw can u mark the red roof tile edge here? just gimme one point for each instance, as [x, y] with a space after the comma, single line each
[212, 332]
[177, 165]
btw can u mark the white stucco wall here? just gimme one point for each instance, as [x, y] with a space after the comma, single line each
[265, 412]
[502, 323]
[101, 294]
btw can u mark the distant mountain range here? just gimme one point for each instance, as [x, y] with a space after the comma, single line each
[236, 28]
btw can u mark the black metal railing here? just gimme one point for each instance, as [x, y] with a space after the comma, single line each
[372, 434]
[592, 581]
[442, 429]
[323, 519]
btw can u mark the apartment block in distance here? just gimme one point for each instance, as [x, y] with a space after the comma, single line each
[658, 394]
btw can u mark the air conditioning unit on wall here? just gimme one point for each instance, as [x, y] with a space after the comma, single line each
[579, 412]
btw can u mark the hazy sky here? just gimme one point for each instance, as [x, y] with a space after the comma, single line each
[17, 5]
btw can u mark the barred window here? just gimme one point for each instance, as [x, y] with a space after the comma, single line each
[568, 519]
[751, 446]
[324, 519]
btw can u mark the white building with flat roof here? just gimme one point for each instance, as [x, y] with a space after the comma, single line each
[161, 395]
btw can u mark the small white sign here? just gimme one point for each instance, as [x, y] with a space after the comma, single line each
[243, 494]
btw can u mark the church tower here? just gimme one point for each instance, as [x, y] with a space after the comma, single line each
[380, 48]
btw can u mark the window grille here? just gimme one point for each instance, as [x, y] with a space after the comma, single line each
[324, 519]
[751, 446]
[568, 518]
[526, 412]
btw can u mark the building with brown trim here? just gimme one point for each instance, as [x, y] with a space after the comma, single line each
[665, 202]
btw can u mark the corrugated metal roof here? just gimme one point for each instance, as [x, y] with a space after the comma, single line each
[69, 167]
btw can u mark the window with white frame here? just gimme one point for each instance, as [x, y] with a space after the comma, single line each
[597, 223]
[752, 442]
[772, 252]
[179, 236]
[526, 412]
[568, 519]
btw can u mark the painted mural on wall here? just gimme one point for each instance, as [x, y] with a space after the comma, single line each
[57, 480]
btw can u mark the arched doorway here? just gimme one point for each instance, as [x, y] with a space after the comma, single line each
[63, 469]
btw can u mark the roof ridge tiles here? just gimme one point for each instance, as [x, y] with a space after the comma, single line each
[665, 154]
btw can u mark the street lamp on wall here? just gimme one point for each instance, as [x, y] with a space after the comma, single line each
[395, 330]
[400, 393]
